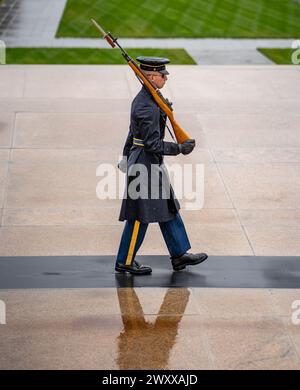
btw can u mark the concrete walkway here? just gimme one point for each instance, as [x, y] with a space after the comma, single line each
[33, 23]
[29, 20]
[57, 124]
[149, 328]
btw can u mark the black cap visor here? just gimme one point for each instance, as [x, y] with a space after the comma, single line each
[164, 71]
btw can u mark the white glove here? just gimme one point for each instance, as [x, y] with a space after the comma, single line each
[123, 164]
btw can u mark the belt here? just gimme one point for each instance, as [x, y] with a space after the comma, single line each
[138, 142]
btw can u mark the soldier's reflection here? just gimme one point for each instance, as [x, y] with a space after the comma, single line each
[145, 345]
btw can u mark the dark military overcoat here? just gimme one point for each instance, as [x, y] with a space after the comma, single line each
[147, 125]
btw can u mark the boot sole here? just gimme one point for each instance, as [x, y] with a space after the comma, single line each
[123, 271]
[181, 267]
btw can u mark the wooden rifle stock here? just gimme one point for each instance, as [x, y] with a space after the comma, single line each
[180, 134]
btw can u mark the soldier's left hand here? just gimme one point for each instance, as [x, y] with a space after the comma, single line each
[187, 146]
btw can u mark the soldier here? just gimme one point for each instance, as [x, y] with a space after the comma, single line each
[145, 146]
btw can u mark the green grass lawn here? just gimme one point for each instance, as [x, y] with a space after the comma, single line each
[89, 56]
[279, 56]
[183, 18]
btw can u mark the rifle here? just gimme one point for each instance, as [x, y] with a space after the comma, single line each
[163, 103]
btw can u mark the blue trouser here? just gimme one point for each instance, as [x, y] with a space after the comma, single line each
[173, 231]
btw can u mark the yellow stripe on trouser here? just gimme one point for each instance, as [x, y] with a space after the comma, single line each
[132, 242]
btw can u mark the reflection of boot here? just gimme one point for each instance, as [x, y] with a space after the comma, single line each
[135, 268]
[181, 262]
[123, 280]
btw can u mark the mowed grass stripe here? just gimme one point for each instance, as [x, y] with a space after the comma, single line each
[89, 56]
[279, 56]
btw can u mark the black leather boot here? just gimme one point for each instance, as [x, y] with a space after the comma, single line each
[135, 268]
[181, 262]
